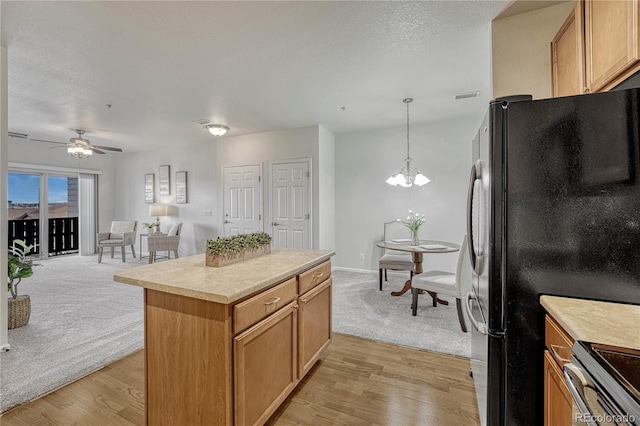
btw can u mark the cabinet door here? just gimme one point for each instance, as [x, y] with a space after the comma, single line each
[567, 56]
[314, 325]
[557, 399]
[265, 366]
[611, 39]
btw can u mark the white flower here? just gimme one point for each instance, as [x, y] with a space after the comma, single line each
[410, 211]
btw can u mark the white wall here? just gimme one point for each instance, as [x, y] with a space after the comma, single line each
[364, 201]
[272, 146]
[4, 214]
[327, 190]
[203, 163]
[199, 161]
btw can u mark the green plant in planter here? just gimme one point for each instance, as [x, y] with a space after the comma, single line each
[19, 265]
[150, 226]
[231, 246]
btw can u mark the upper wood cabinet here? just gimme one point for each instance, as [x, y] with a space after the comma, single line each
[611, 42]
[597, 47]
[567, 56]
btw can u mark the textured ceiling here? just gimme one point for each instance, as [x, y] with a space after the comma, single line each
[253, 66]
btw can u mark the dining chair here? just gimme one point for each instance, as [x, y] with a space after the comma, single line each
[168, 243]
[438, 282]
[394, 259]
[121, 234]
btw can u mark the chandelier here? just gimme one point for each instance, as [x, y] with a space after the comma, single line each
[408, 177]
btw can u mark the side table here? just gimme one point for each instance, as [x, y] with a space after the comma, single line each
[146, 235]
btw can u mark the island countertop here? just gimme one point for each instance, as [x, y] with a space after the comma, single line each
[189, 276]
[593, 321]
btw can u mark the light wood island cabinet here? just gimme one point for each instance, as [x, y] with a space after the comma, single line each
[227, 345]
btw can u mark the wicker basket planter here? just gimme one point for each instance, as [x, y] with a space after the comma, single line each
[19, 311]
[219, 259]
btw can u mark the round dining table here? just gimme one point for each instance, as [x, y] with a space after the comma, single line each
[417, 252]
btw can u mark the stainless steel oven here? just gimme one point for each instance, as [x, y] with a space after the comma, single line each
[605, 384]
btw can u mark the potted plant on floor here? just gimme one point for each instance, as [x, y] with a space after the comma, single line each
[19, 266]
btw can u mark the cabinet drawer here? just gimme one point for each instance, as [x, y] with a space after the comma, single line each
[311, 278]
[557, 341]
[249, 312]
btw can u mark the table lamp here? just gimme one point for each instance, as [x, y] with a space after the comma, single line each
[157, 210]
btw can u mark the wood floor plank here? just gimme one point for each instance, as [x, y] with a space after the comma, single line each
[356, 382]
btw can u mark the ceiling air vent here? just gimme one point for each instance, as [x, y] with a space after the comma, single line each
[467, 95]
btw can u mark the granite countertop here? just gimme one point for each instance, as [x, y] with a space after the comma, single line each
[189, 276]
[607, 323]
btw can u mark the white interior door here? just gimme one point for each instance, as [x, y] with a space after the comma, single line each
[290, 205]
[242, 199]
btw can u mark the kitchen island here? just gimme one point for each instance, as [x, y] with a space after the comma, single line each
[227, 345]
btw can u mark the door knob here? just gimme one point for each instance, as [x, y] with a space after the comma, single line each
[227, 221]
[275, 224]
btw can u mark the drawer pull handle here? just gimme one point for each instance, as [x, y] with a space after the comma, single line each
[275, 300]
[557, 356]
[318, 274]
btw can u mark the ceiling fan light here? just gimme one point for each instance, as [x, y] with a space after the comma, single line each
[392, 180]
[87, 151]
[217, 129]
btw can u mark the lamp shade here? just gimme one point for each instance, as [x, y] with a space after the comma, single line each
[156, 210]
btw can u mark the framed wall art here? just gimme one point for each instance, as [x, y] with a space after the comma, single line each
[181, 187]
[148, 188]
[163, 181]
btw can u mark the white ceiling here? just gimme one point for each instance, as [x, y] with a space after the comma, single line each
[253, 66]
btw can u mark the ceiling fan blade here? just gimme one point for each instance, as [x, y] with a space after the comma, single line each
[97, 151]
[46, 141]
[107, 148]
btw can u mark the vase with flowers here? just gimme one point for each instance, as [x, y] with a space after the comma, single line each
[152, 228]
[413, 222]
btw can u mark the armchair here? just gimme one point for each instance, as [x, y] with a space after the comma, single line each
[168, 243]
[121, 234]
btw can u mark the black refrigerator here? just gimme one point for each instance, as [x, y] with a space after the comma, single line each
[554, 209]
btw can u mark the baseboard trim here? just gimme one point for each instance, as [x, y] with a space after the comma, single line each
[342, 268]
[370, 271]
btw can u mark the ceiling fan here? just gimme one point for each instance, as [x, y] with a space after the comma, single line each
[77, 146]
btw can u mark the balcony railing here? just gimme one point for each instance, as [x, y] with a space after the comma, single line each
[63, 234]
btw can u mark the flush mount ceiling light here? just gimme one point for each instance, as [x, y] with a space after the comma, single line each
[408, 177]
[217, 129]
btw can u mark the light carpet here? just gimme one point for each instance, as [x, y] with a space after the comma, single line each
[360, 309]
[81, 320]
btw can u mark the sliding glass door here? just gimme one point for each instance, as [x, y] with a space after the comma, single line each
[54, 230]
[62, 221]
[24, 208]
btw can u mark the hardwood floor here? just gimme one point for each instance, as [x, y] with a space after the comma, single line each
[356, 382]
